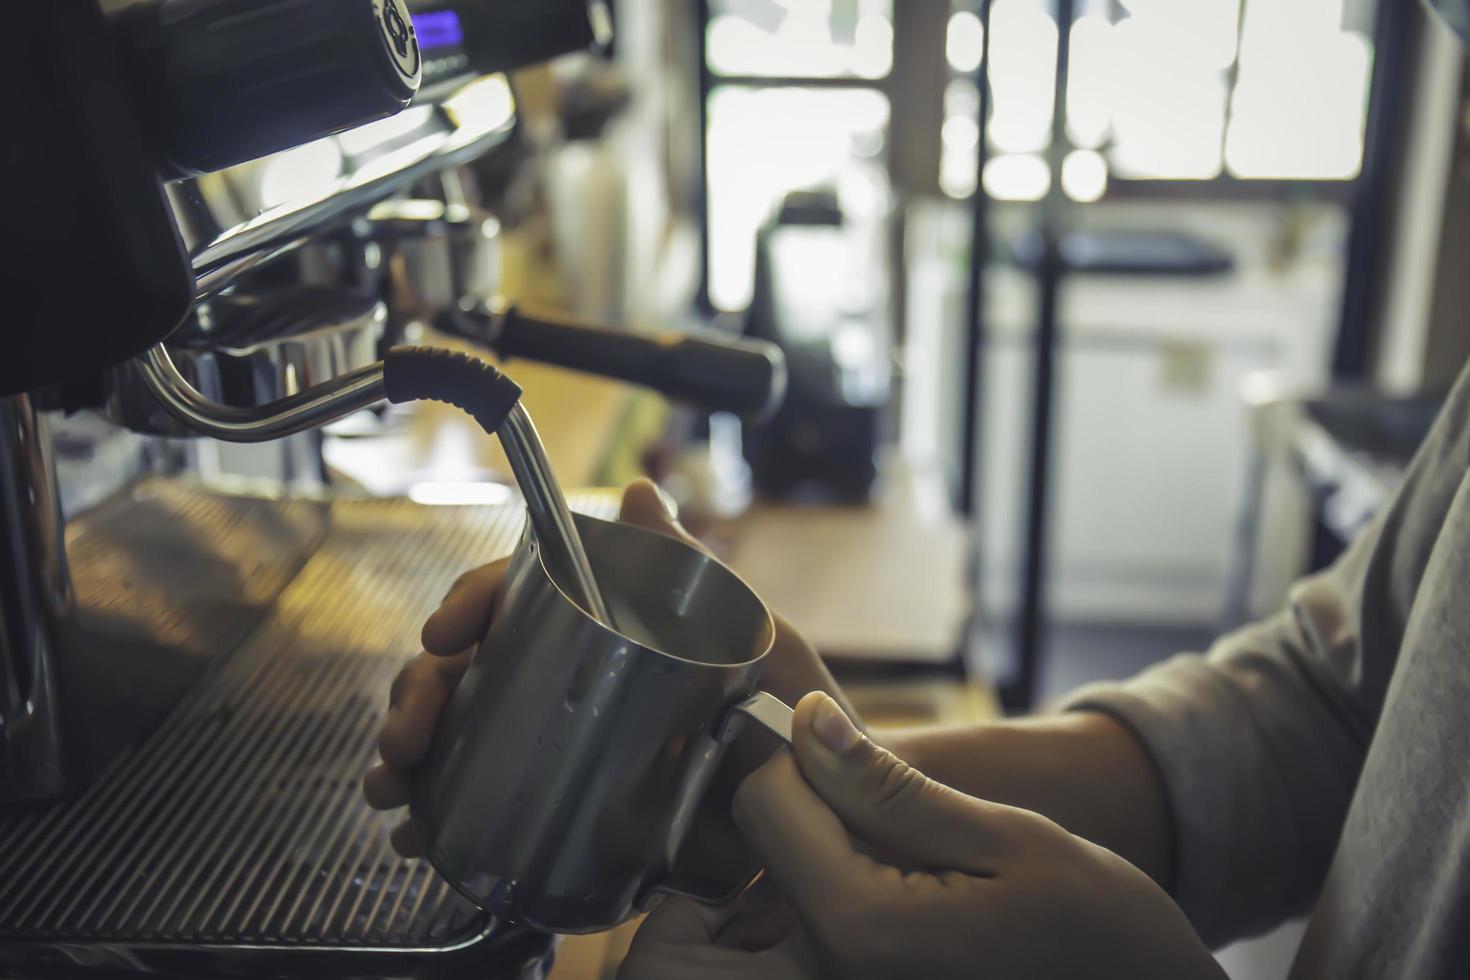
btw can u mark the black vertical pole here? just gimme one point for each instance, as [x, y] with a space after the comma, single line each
[706, 87]
[1367, 238]
[972, 431]
[1368, 243]
[1030, 638]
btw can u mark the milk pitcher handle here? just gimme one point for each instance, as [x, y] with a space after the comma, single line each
[771, 715]
[766, 710]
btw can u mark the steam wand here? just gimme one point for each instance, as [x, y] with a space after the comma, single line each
[407, 374]
[551, 519]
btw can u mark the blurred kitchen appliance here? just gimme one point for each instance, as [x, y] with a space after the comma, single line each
[821, 295]
[190, 680]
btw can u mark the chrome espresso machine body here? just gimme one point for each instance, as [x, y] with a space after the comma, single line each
[206, 201]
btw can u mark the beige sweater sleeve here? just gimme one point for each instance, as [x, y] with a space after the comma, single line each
[1261, 741]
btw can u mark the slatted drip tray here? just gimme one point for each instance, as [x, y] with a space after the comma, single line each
[240, 821]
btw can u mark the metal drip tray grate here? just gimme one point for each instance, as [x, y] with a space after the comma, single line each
[239, 822]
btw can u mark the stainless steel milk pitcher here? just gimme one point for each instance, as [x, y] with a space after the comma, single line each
[569, 765]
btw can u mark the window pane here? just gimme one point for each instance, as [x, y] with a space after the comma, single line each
[801, 38]
[1085, 176]
[1089, 84]
[965, 42]
[1017, 177]
[959, 160]
[1167, 87]
[1301, 101]
[765, 143]
[1023, 59]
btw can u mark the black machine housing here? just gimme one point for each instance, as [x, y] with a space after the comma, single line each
[96, 271]
[818, 299]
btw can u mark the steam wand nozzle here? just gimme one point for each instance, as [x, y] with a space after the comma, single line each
[493, 400]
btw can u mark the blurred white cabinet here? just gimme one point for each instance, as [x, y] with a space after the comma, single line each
[1152, 437]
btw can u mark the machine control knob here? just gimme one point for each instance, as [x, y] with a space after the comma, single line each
[225, 81]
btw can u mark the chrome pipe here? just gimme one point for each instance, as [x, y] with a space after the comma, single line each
[551, 519]
[318, 406]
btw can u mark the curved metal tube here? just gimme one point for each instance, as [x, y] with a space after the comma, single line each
[551, 520]
[321, 405]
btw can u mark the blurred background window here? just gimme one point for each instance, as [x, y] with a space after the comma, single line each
[801, 38]
[767, 142]
[768, 135]
[1164, 91]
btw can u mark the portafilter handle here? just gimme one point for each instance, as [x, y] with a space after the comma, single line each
[712, 372]
[717, 374]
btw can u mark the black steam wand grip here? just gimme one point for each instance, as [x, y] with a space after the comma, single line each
[744, 377]
[493, 400]
[433, 374]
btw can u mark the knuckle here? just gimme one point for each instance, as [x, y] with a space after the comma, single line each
[894, 783]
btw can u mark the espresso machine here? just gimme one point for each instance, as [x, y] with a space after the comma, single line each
[221, 214]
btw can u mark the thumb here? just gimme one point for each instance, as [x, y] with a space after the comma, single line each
[887, 803]
[644, 506]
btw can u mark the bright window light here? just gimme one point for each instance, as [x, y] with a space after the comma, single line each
[302, 174]
[1085, 176]
[962, 98]
[802, 38]
[872, 46]
[451, 494]
[765, 143]
[1168, 110]
[960, 153]
[957, 175]
[1201, 32]
[965, 43]
[1017, 177]
[1023, 59]
[375, 134]
[1301, 99]
[1171, 90]
[483, 105]
[1089, 81]
[961, 134]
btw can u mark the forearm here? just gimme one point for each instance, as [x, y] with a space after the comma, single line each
[1083, 770]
